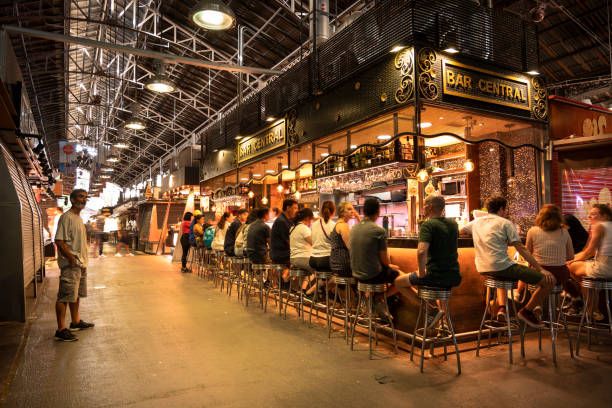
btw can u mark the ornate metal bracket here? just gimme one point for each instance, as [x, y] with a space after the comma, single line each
[540, 103]
[404, 61]
[427, 75]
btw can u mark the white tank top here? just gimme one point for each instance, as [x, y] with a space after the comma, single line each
[605, 248]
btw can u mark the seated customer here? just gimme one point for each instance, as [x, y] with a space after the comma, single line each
[321, 240]
[221, 230]
[369, 257]
[339, 258]
[492, 235]
[232, 231]
[198, 230]
[437, 251]
[300, 240]
[258, 237]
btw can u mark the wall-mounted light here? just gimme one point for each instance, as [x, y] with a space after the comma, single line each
[213, 15]
[398, 48]
[451, 50]
[425, 125]
[251, 194]
[270, 119]
[264, 200]
[423, 176]
[469, 165]
[280, 188]
[533, 72]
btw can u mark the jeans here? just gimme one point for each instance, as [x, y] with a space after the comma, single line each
[185, 245]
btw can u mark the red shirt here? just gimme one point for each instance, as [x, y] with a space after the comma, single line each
[185, 225]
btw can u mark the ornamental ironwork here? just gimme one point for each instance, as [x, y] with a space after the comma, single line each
[292, 134]
[427, 75]
[404, 61]
[540, 103]
[365, 179]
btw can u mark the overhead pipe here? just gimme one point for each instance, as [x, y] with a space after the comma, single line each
[167, 58]
[319, 20]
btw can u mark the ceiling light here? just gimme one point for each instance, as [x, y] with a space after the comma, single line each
[297, 195]
[451, 50]
[270, 119]
[280, 188]
[441, 118]
[304, 161]
[353, 146]
[398, 48]
[425, 125]
[383, 137]
[213, 15]
[105, 176]
[469, 165]
[160, 84]
[244, 179]
[533, 72]
[107, 169]
[251, 194]
[121, 145]
[256, 175]
[134, 124]
[238, 137]
[112, 159]
[264, 201]
[324, 154]
[284, 166]
[423, 175]
[215, 150]
[270, 171]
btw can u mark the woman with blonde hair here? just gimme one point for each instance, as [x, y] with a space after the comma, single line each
[340, 259]
[321, 239]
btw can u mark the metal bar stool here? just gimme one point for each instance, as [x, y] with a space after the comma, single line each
[277, 271]
[256, 282]
[366, 293]
[445, 331]
[219, 256]
[298, 275]
[592, 287]
[321, 276]
[200, 261]
[512, 323]
[235, 278]
[345, 310]
[245, 273]
[552, 320]
[208, 263]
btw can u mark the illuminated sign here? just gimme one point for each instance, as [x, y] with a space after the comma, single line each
[478, 84]
[262, 142]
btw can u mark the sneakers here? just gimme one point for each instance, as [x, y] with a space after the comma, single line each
[530, 318]
[81, 325]
[65, 335]
[501, 314]
[118, 255]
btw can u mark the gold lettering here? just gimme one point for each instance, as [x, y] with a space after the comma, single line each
[450, 78]
[481, 85]
[468, 82]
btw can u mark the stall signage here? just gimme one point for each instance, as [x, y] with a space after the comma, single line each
[264, 141]
[486, 86]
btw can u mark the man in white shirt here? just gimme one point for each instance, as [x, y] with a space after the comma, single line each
[71, 241]
[492, 234]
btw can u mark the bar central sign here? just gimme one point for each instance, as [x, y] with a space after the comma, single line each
[478, 84]
[262, 142]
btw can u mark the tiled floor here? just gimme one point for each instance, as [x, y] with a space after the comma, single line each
[167, 339]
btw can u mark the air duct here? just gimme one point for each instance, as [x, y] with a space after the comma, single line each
[319, 20]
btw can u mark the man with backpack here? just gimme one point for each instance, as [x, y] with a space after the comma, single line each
[232, 231]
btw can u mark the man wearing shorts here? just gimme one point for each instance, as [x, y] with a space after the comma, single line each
[369, 256]
[492, 234]
[71, 241]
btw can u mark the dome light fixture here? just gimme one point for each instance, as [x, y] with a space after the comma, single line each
[469, 165]
[121, 145]
[160, 82]
[423, 175]
[213, 15]
[134, 124]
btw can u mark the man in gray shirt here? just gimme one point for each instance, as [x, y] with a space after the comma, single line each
[71, 241]
[369, 257]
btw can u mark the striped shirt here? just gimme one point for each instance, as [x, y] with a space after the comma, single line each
[550, 248]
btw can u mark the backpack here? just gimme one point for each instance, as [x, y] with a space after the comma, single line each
[240, 243]
[192, 238]
[209, 235]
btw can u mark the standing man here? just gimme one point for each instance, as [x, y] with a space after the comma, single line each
[492, 235]
[71, 241]
[232, 231]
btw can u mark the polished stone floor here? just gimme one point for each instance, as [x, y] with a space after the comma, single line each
[166, 339]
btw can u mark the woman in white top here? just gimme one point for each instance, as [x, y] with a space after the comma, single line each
[300, 242]
[599, 247]
[551, 245]
[220, 230]
[321, 243]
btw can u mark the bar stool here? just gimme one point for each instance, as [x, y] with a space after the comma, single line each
[208, 262]
[366, 293]
[297, 275]
[193, 249]
[232, 263]
[512, 323]
[592, 287]
[445, 330]
[345, 310]
[218, 269]
[553, 319]
[277, 270]
[321, 276]
[200, 261]
[256, 275]
[245, 273]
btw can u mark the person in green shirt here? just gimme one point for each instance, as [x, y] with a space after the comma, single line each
[437, 250]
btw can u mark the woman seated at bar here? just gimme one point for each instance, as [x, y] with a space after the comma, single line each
[492, 235]
[599, 247]
[437, 254]
[221, 230]
[300, 242]
[579, 235]
[321, 240]
[258, 237]
[340, 259]
[198, 230]
[551, 245]
[369, 255]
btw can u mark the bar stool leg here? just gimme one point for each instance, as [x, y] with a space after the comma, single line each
[393, 332]
[347, 305]
[416, 326]
[521, 333]
[331, 313]
[582, 319]
[424, 339]
[509, 330]
[484, 316]
[288, 295]
[553, 331]
[607, 293]
[313, 305]
[359, 300]
[370, 296]
[449, 322]
[327, 315]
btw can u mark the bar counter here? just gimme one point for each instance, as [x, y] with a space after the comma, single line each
[467, 304]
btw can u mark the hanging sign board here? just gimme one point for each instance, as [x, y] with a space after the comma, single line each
[469, 82]
[268, 139]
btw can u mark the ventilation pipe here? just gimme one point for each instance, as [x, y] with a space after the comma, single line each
[319, 20]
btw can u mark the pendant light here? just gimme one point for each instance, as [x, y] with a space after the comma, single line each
[160, 82]
[134, 123]
[213, 15]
